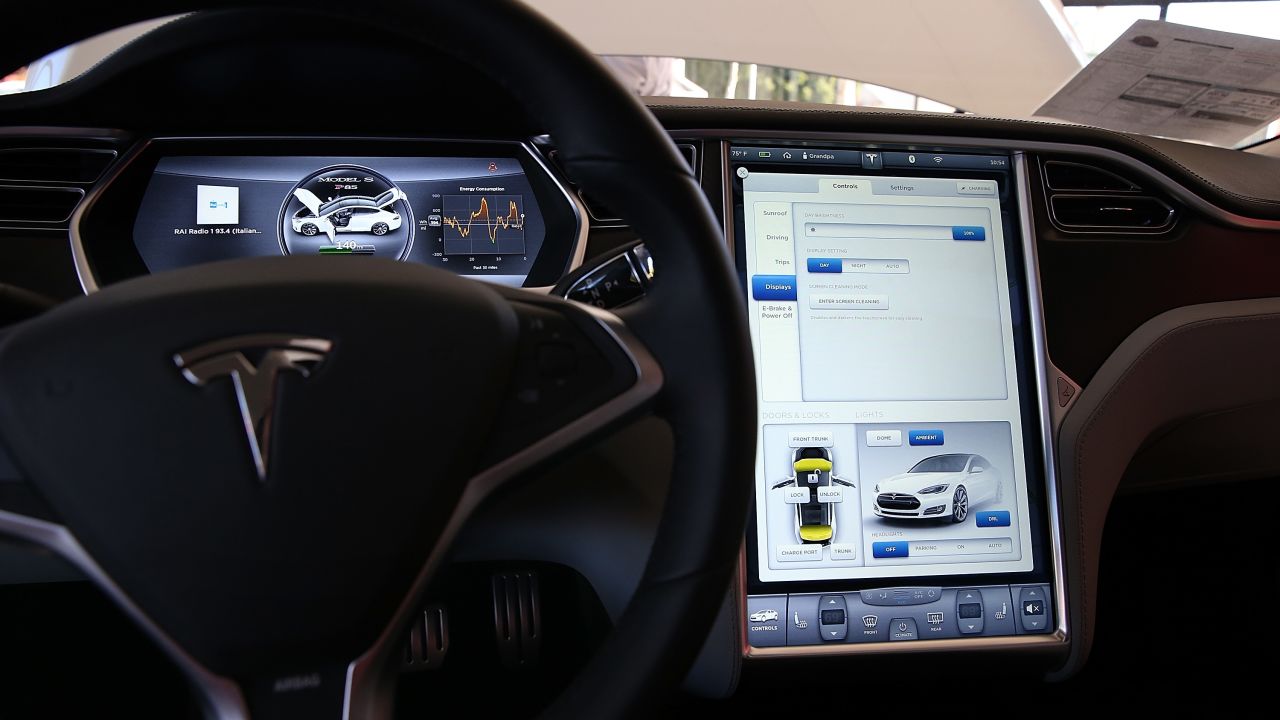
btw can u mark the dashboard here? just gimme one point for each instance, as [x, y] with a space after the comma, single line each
[950, 386]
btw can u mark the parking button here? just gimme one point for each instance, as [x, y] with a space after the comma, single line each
[902, 629]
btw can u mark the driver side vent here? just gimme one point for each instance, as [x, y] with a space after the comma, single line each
[41, 183]
[1087, 199]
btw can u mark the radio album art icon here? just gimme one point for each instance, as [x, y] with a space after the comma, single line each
[346, 210]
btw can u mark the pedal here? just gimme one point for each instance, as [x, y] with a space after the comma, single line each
[428, 640]
[517, 617]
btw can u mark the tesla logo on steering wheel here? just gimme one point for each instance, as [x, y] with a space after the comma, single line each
[255, 384]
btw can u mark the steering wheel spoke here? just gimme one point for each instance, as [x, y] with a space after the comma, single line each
[579, 371]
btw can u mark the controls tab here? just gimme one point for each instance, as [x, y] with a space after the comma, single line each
[833, 618]
[765, 626]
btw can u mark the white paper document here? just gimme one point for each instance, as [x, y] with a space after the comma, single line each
[1176, 81]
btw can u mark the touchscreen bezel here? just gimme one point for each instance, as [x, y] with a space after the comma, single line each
[102, 229]
[1031, 363]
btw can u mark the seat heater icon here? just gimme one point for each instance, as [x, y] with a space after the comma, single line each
[870, 621]
[802, 624]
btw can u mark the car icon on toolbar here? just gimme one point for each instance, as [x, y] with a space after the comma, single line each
[764, 616]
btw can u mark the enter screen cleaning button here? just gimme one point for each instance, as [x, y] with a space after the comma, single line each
[829, 301]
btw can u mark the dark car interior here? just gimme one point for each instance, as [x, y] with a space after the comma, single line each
[526, 454]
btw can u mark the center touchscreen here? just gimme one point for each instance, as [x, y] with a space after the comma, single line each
[891, 438]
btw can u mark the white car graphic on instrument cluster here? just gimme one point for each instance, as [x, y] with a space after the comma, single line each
[941, 486]
[350, 213]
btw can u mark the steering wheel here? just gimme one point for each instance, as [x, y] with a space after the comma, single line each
[176, 430]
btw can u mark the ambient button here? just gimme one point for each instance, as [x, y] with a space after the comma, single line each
[924, 437]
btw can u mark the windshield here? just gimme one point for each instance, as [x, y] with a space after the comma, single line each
[941, 463]
[1207, 72]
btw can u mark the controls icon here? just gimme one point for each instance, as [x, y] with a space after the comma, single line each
[764, 616]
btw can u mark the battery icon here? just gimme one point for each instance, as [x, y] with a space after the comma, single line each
[765, 154]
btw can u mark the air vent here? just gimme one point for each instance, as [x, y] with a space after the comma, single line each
[38, 204]
[43, 164]
[602, 215]
[1088, 199]
[1122, 212]
[1061, 175]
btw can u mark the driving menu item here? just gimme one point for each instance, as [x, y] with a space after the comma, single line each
[471, 215]
[885, 307]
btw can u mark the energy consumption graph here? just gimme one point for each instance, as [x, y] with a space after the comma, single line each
[483, 224]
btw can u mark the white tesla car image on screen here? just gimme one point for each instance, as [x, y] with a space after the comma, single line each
[352, 213]
[942, 486]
